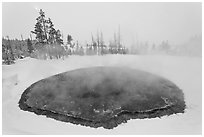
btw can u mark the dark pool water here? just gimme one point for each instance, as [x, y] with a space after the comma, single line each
[103, 96]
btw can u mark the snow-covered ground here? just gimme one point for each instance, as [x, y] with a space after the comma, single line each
[186, 72]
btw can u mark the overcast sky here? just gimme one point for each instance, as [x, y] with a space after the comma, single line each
[152, 22]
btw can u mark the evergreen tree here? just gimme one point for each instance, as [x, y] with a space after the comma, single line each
[69, 39]
[164, 46]
[30, 46]
[7, 52]
[45, 31]
[51, 32]
[40, 29]
[58, 37]
[69, 42]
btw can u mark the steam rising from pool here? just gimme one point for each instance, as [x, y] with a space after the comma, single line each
[103, 96]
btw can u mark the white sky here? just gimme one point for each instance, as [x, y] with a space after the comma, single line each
[152, 22]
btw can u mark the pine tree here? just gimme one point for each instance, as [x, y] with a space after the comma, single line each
[51, 32]
[30, 46]
[69, 39]
[40, 29]
[45, 31]
[58, 37]
[7, 51]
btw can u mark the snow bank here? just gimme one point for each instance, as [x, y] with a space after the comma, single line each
[183, 71]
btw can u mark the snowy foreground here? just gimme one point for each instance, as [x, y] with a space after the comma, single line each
[185, 72]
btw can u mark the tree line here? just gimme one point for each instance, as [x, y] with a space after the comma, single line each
[48, 44]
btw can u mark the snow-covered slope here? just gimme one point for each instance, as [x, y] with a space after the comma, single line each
[183, 71]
